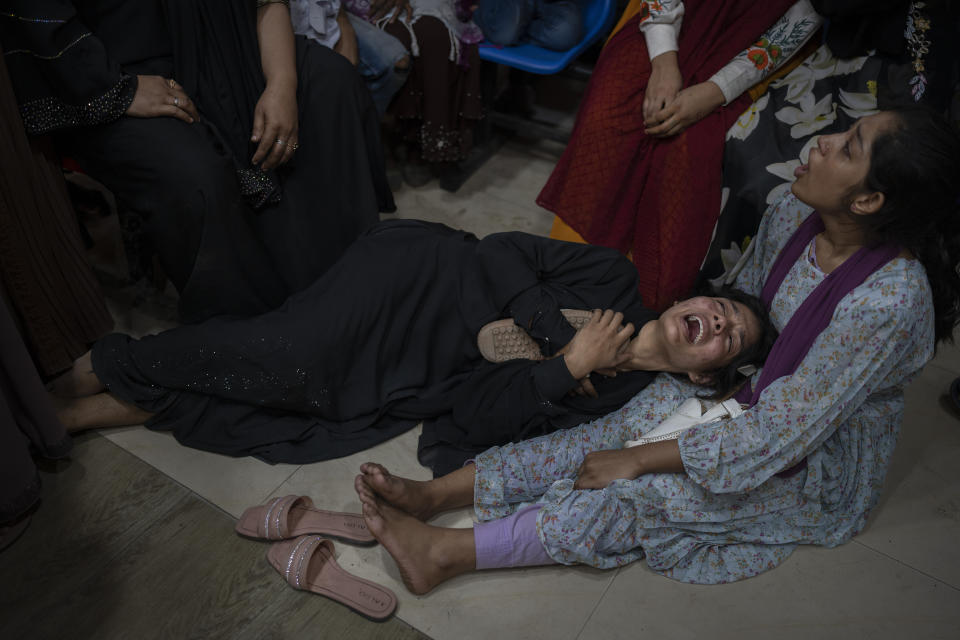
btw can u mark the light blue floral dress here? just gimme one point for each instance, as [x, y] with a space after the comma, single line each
[730, 516]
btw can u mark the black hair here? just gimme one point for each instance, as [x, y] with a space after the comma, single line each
[915, 163]
[727, 378]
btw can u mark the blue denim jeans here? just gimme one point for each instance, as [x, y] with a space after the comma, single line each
[378, 54]
[552, 25]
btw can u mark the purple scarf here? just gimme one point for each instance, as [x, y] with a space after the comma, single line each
[816, 311]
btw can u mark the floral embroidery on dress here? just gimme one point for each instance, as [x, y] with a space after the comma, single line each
[916, 34]
[779, 42]
[648, 8]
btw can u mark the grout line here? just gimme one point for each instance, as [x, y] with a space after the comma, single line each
[597, 604]
[285, 480]
[908, 566]
[949, 370]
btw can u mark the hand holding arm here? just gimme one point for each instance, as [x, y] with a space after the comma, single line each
[663, 86]
[598, 345]
[600, 468]
[275, 125]
[690, 106]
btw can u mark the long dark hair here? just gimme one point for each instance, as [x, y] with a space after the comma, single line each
[916, 165]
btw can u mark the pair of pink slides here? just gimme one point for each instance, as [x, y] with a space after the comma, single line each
[305, 559]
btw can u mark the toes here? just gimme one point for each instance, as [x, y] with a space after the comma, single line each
[370, 510]
[374, 469]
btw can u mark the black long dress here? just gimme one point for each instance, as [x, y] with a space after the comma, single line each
[386, 338]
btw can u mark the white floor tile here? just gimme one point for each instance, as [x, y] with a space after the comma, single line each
[847, 592]
[233, 484]
[918, 519]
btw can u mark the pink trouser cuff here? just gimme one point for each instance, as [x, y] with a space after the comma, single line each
[510, 541]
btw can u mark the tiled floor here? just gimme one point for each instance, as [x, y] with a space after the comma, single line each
[899, 578]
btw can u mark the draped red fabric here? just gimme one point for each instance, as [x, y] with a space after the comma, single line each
[657, 200]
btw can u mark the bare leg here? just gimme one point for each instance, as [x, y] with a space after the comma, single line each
[79, 381]
[426, 555]
[98, 411]
[421, 499]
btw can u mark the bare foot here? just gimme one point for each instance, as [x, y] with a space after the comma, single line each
[98, 410]
[66, 410]
[78, 381]
[413, 496]
[425, 555]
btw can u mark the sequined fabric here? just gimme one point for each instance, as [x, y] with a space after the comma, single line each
[49, 114]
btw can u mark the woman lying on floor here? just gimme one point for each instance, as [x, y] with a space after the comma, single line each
[388, 337]
[874, 217]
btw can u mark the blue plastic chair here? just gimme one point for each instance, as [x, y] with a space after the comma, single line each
[598, 17]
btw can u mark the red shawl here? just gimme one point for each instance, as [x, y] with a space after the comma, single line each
[657, 200]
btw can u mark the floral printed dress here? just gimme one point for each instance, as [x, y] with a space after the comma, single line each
[731, 516]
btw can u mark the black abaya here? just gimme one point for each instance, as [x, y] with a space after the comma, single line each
[232, 238]
[386, 338]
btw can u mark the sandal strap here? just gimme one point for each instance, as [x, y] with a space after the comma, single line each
[300, 558]
[275, 525]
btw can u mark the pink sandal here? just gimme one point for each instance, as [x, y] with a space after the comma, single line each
[292, 516]
[308, 564]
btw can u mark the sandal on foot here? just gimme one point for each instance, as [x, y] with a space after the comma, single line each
[503, 340]
[292, 516]
[308, 564]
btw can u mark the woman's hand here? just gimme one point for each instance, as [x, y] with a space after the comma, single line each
[598, 345]
[600, 468]
[663, 86]
[380, 8]
[690, 106]
[158, 96]
[275, 126]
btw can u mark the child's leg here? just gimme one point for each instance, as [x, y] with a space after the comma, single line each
[98, 411]
[78, 381]
[428, 556]
[421, 499]
[510, 541]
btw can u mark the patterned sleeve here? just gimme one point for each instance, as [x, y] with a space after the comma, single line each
[767, 54]
[660, 22]
[61, 72]
[880, 335]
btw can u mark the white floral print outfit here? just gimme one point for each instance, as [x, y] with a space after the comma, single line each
[730, 516]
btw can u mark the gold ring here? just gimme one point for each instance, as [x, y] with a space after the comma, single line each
[295, 146]
[171, 83]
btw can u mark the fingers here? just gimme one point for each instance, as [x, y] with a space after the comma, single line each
[652, 105]
[175, 112]
[179, 98]
[259, 122]
[664, 119]
[281, 145]
[290, 148]
[587, 387]
[264, 148]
